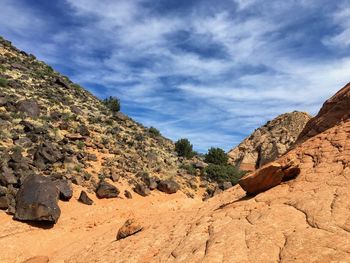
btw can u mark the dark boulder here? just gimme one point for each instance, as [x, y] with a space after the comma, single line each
[29, 107]
[7, 176]
[37, 199]
[142, 190]
[152, 182]
[83, 130]
[65, 188]
[127, 194]
[106, 190]
[62, 82]
[85, 199]
[4, 202]
[168, 186]
[46, 154]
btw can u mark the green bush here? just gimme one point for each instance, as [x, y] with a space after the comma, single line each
[154, 132]
[189, 168]
[183, 147]
[216, 156]
[3, 82]
[112, 103]
[224, 173]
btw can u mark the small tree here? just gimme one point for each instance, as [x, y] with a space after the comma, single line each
[224, 173]
[183, 147]
[112, 103]
[154, 131]
[216, 156]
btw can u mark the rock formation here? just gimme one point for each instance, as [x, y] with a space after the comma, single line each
[269, 142]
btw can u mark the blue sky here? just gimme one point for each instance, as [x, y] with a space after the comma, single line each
[210, 71]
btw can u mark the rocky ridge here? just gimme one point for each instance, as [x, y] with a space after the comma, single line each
[269, 142]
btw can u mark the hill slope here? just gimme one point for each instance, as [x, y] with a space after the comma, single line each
[269, 142]
[53, 127]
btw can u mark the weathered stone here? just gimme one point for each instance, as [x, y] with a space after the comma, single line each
[168, 186]
[37, 199]
[29, 107]
[130, 227]
[7, 176]
[142, 190]
[262, 179]
[65, 189]
[85, 199]
[106, 190]
[127, 194]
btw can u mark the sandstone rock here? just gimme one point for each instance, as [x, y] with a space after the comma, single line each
[168, 186]
[130, 227]
[85, 199]
[37, 199]
[269, 141]
[262, 179]
[334, 111]
[106, 190]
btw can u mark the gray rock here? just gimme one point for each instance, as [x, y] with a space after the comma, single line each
[85, 199]
[106, 190]
[7, 176]
[37, 199]
[65, 188]
[29, 107]
[142, 190]
[168, 186]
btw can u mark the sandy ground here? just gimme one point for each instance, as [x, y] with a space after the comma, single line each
[82, 227]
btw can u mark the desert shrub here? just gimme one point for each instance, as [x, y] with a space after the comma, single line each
[224, 173]
[154, 132]
[112, 103]
[216, 156]
[3, 82]
[80, 145]
[183, 147]
[189, 168]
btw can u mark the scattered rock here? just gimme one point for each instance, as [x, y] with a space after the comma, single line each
[130, 227]
[29, 107]
[37, 199]
[85, 199]
[7, 176]
[65, 189]
[127, 194]
[168, 186]
[4, 202]
[106, 190]
[142, 189]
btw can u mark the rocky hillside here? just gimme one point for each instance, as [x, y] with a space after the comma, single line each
[53, 128]
[269, 142]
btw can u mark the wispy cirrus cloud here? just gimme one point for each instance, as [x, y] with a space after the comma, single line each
[212, 73]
